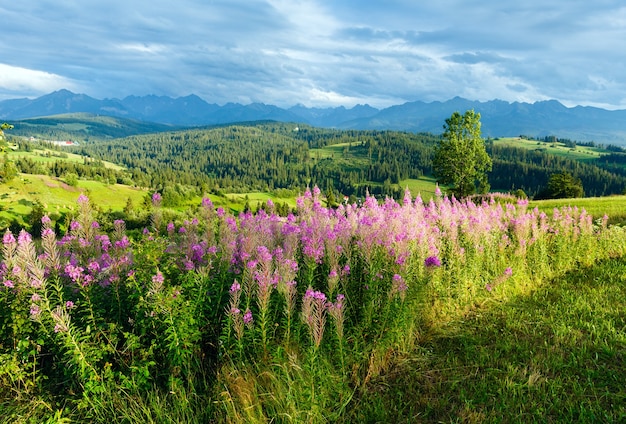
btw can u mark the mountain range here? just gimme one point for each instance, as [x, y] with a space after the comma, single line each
[498, 118]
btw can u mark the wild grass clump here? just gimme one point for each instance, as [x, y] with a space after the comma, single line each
[258, 317]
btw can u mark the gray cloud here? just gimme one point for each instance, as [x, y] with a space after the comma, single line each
[318, 52]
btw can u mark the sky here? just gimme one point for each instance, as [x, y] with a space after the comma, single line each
[318, 53]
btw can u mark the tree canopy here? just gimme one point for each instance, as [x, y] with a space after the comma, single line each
[563, 185]
[461, 159]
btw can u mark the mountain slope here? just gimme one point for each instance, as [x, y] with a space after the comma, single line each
[499, 118]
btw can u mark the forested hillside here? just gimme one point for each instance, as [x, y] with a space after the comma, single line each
[529, 170]
[268, 156]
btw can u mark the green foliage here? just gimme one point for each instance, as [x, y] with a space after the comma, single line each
[562, 185]
[460, 159]
[8, 170]
[257, 318]
[71, 179]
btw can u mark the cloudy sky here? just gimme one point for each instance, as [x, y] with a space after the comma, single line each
[318, 52]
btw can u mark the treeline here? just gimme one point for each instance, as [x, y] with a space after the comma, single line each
[88, 169]
[270, 156]
[529, 170]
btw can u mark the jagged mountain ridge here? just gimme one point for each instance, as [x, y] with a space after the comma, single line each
[499, 118]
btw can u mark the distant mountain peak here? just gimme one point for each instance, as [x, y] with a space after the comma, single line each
[498, 117]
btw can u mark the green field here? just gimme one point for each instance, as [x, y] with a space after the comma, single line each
[614, 206]
[48, 156]
[579, 153]
[18, 196]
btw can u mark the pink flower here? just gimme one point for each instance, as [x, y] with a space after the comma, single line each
[158, 278]
[247, 317]
[8, 238]
[24, 237]
[432, 262]
[35, 311]
[206, 203]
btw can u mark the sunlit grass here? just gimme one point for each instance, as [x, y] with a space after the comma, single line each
[612, 206]
[19, 195]
[579, 153]
[556, 354]
[48, 156]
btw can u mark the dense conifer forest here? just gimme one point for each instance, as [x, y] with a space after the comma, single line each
[271, 156]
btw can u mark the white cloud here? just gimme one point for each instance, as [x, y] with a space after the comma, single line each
[319, 51]
[15, 79]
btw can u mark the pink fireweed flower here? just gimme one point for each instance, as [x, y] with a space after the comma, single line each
[432, 262]
[123, 243]
[263, 254]
[35, 311]
[82, 199]
[8, 283]
[74, 272]
[336, 311]
[105, 242]
[207, 203]
[247, 318]
[35, 297]
[93, 267]
[69, 304]
[158, 278]
[188, 265]
[8, 238]
[24, 238]
[398, 286]
[156, 199]
[314, 308]
[170, 227]
[235, 287]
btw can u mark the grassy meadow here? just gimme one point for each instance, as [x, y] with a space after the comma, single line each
[578, 153]
[443, 311]
[419, 310]
[19, 195]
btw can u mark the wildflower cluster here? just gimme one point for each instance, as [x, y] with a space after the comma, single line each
[219, 286]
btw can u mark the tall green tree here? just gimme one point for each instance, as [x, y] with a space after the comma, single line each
[564, 185]
[461, 159]
[8, 170]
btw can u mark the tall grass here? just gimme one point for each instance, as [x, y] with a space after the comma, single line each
[261, 318]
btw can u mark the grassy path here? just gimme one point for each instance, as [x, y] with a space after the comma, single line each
[557, 355]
